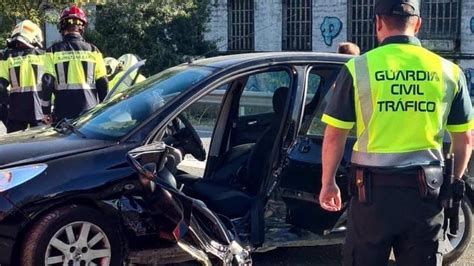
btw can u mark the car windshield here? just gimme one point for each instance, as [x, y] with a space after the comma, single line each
[123, 112]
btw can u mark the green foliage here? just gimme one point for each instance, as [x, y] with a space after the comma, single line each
[38, 11]
[161, 31]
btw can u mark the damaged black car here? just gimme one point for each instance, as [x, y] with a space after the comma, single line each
[209, 160]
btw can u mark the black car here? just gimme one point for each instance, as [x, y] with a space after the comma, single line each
[248, 136]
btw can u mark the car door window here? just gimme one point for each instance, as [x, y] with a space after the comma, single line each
[256, 110]
[203, 115]
[314, 83]
[258, 92]
[317, 127]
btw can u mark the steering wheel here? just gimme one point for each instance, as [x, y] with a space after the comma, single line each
[189, 139]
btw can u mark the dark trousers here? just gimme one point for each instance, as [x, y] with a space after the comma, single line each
[3, 113]
[398, 218]
[13, 126]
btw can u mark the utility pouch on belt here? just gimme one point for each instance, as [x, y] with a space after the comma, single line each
[430, 181]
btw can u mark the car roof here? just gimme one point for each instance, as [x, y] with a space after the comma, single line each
[277, 57]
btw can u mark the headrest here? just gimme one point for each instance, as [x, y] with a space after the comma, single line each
[279, 100]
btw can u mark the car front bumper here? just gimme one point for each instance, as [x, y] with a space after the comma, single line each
[11, 222]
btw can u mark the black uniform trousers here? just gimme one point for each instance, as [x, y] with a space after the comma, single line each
[3, 113]
[396, 217]
[13, 125]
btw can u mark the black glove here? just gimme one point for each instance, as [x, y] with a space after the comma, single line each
[458, 190]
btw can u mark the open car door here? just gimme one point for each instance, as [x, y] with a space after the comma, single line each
[187, 221]
[301, 178]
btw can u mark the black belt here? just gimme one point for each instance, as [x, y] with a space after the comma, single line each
[395, 180]
[392, 177]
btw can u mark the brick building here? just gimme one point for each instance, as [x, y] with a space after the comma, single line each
[319, 25]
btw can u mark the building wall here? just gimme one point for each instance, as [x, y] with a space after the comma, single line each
[329, 24]
[467, 41]
[218, 24]
[51, 33]
[268, 25]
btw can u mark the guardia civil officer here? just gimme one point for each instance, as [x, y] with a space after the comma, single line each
[74, 70]
[21, 69]
[401, 97]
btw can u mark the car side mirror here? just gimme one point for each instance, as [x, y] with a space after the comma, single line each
[149, 159]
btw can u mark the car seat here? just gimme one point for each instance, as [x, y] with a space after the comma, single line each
[234, 200]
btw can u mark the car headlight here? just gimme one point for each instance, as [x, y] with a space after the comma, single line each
[12, 177]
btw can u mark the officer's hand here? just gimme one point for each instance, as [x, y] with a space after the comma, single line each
[47, 119]
[330, 197]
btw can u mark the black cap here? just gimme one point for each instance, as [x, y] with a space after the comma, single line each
[397, 7]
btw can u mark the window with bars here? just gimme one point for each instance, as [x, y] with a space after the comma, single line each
[361, 27]
[441, 19]
[297, 25]
[241, 25]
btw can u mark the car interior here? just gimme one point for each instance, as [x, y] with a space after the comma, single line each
[242, 143]
[241, 138]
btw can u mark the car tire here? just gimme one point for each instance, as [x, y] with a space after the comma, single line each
[465, 240]
[72, 234]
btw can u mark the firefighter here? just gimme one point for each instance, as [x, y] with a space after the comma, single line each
[126, 61]
[401, 97]
[111, 66]
[3, 99]
[21, 70]
[74, 70]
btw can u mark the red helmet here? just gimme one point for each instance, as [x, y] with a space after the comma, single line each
[72, 14]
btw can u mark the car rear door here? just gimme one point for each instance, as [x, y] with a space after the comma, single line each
[301, 178]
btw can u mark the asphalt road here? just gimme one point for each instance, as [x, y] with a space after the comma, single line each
[326, 256]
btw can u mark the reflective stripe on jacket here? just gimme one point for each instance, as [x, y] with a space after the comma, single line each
[22, 69]
[75, 66]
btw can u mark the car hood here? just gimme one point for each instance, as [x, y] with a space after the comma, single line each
[39, 145]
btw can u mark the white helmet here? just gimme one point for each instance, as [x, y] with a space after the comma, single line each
[110, 64]
[126, 61]
[27, 33]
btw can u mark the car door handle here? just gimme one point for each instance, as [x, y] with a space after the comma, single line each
[251, 123]
[305, 146]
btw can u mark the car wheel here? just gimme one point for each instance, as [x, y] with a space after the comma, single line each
[72, 235]
[454, 247]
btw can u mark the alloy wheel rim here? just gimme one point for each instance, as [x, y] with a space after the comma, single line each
[79, 244]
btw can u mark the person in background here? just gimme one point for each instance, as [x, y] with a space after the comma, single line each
[74, 70]
[21, 69]
[111, 66]
[348, 48]
[126, 61]
[3, 99]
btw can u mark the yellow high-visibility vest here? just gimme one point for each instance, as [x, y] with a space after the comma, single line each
[403, 95]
